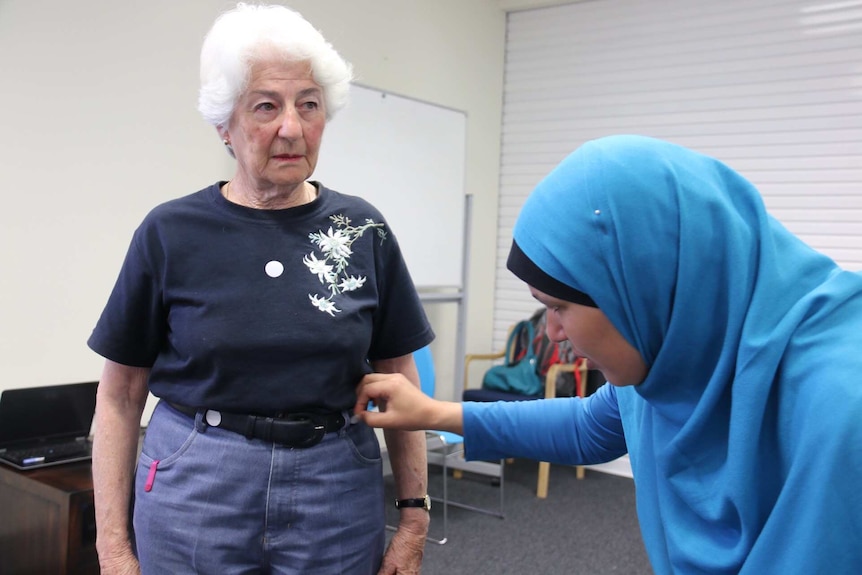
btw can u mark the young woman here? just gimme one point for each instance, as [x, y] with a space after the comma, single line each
[732, 350]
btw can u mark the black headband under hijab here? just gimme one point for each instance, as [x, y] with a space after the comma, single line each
[523, 267]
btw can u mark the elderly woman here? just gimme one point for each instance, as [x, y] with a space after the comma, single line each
[731, 346]
[252, 309]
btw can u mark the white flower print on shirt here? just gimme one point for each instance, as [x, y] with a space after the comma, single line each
[334, 245]
[319, 267]
[351, 283]
[323, 304]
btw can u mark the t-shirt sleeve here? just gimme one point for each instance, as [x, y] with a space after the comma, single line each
[132, 326]
[400, 323]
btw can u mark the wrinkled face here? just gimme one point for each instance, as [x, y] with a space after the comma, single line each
[593, 336]
[276, 126]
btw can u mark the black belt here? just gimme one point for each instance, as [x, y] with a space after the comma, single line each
[303, 429]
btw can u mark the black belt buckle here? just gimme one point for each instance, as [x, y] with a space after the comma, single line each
[295, 430]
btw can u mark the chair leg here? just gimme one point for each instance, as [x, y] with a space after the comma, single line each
[544, 473]
[445, 537]
[502, 482]
[444, 501]
[498, 475]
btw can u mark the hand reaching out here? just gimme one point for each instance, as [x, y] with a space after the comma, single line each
[401, 405]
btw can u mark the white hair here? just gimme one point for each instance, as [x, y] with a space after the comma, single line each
[250, 33]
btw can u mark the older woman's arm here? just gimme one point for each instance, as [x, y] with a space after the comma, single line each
[120, 402]
[408, 456]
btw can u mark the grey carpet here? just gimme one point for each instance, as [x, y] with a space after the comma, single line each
[586, 526]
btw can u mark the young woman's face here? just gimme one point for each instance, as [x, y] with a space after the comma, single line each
[594, 337]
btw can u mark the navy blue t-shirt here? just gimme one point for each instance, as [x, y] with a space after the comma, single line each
[261, 311]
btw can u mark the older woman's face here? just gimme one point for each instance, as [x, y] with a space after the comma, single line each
[594, 337]
[277, 124]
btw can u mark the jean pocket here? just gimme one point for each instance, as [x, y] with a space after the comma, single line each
[168, 436]
[363, 443]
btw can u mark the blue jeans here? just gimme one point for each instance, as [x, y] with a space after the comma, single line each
[211, 501]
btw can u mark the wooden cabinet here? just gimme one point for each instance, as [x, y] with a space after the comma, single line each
[47, 521]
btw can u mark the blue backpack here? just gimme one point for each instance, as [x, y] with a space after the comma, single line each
[520, 371]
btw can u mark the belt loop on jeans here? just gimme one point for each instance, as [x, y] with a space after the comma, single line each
[265, 424]
[249, 428]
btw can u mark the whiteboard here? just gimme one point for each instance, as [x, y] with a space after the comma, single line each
[407, 158]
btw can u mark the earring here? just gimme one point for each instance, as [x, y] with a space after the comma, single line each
[228, 147]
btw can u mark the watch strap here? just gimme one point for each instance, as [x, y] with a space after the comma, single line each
[421, 502]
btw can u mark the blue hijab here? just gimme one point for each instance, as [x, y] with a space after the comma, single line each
[745, 438]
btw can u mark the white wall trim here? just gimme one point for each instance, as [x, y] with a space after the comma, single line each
[517, 5]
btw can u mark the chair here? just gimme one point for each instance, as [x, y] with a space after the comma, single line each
[579, 368]
[446, 449]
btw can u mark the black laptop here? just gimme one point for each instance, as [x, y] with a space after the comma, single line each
[50, 425]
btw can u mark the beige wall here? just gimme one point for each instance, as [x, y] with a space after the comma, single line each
[99, 125]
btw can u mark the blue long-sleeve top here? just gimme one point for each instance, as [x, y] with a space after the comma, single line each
[585, 431]
[745, 437]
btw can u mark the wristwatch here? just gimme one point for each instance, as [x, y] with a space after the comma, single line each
[423, 502]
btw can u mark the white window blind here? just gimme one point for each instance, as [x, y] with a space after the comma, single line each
[771, 87]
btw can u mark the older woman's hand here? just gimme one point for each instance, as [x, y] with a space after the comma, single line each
[404, 554]
[125, 564]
